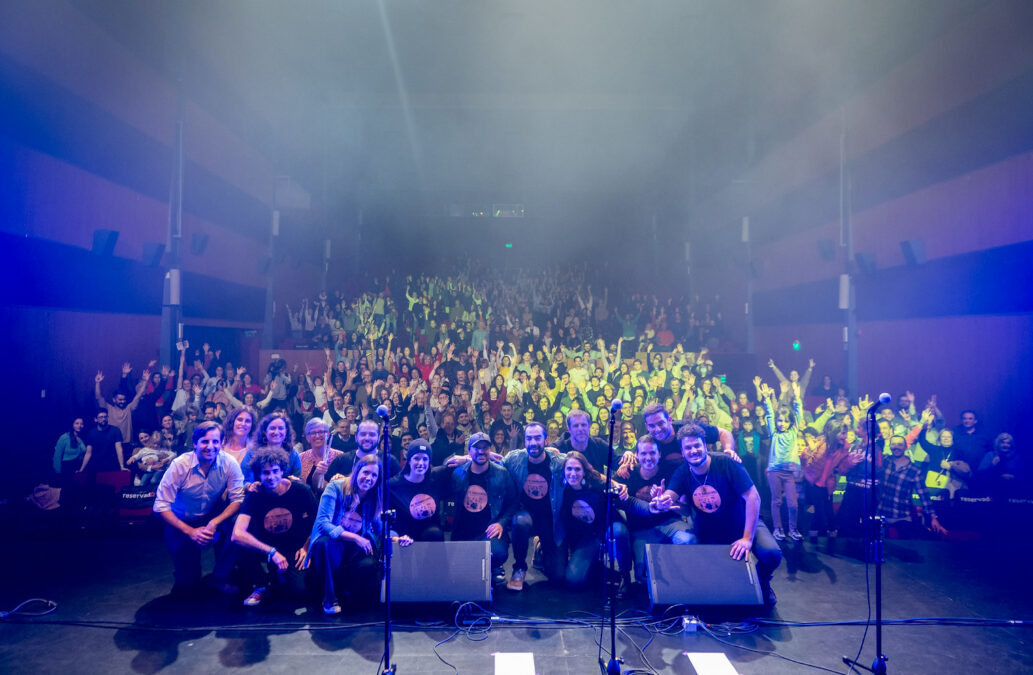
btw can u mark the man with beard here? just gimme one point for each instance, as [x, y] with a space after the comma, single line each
[658, 424]
[190, 501]
[725, 505]
[273, 527]
[485, 498]
[537, 474]
[103, 446]
[900, 480]
[120, 410]
[368, 439]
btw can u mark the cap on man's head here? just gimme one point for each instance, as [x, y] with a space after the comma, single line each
[479, 437]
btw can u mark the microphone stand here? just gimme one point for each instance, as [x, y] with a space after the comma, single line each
[874, 549]
[386, 516]
[611, 667]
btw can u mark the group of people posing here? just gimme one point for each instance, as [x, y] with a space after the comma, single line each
[283, 521]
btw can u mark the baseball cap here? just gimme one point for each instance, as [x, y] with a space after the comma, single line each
[479, 437]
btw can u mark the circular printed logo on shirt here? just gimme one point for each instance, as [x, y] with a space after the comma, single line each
[582, 511]
[536, 487]
[706, 499]
[643, 493]
[476, 499]
[352, 522]
[278, 521]
[422, 506]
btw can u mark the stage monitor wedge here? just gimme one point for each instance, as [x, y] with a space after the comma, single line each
[441, 571]
[700, 576]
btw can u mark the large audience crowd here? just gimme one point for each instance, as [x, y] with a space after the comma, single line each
[500, 393]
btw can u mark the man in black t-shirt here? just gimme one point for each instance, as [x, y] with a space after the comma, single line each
[485, 498]
[103, 446]
[595, 449]
[725, 505]
[368, 439]
[537, 474]
[658, 424]
[273, 528]
[645, 526]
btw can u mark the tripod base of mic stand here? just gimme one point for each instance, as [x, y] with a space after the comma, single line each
[611, 667]
[878, 665]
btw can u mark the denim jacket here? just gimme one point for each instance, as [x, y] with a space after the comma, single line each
[516, 462]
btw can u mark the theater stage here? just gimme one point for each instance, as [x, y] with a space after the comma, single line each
[113, 616]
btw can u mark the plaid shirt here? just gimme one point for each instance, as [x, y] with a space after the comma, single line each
[896, 486]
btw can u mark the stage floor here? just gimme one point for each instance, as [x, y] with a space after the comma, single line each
[123, 579]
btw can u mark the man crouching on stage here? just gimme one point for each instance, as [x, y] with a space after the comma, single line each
[273, 529]
[725, 505]
[189, 500]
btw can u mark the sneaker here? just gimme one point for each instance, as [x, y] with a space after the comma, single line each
[255, 599]
[331, 608]
[516, 582]
[538, 560]
[769, 595]
[795, 534]
[498, 576]
[778, 534]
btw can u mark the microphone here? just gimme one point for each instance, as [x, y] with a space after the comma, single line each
[384, 413]
[615, 406]
[884, 399]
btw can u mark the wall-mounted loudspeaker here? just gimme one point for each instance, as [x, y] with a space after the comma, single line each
[152, 253]
[914, 252]
[198, 243]
[104, 241]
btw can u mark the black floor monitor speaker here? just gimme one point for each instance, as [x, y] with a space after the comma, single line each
[700, 576]
[441, 571]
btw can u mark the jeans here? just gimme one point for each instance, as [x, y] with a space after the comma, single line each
[524, 527]
[780, 481]
[256, 571]
[768, 553]
[672, 532]
[577, 557]
[340, 562]
[186, 555]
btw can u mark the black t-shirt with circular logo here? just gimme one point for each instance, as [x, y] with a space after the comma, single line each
[718, 508]
[417, 505]
[584, 512]
[534, 493]
[282, 521]
[473, 514]
[638, 487]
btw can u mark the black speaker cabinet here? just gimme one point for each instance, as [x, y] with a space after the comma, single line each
[700, 576]
[441, 571]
